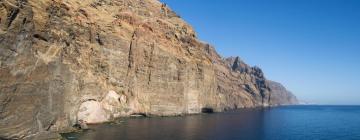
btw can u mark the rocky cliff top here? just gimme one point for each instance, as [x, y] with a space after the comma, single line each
[69, 61]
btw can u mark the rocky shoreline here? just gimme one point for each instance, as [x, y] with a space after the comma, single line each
[96, 60]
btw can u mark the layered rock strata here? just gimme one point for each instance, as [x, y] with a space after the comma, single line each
[64, 61]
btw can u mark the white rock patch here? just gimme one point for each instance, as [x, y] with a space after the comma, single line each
[98, 112]
[92, 112]
[111, 101]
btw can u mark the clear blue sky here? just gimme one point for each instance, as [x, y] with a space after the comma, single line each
[311, 46]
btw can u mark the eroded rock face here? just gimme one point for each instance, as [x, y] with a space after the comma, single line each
[65, 60]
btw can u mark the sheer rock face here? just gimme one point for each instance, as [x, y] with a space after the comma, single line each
[64, 59]
[280, 95]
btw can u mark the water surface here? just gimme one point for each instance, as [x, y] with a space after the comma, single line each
[280, 123]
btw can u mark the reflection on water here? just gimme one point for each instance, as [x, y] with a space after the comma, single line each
[197, 127]
[246, 124]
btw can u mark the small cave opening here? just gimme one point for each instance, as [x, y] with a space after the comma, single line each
[138, 115]
[40, 37]
[207, 110]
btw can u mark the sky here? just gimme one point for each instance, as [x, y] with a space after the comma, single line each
[310, 46]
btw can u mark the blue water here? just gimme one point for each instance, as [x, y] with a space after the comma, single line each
[280, 123]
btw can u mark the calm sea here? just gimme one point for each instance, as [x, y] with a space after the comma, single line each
[280, 123]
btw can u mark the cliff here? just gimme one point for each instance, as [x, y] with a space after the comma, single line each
[62, 61]
[280, 95]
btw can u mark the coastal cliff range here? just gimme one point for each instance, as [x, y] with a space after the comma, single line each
[62, 61]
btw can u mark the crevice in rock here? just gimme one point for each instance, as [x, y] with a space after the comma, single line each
[83, 12]
[51, 125]
[24, 21]
[12, 16]
[67, 43]
[98, 39]
[150, 63]
[40, 37]
[131, 53]
[131, 63]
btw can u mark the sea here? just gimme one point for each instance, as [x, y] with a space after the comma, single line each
[277, 123]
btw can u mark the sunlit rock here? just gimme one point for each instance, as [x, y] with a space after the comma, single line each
[92, 112]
